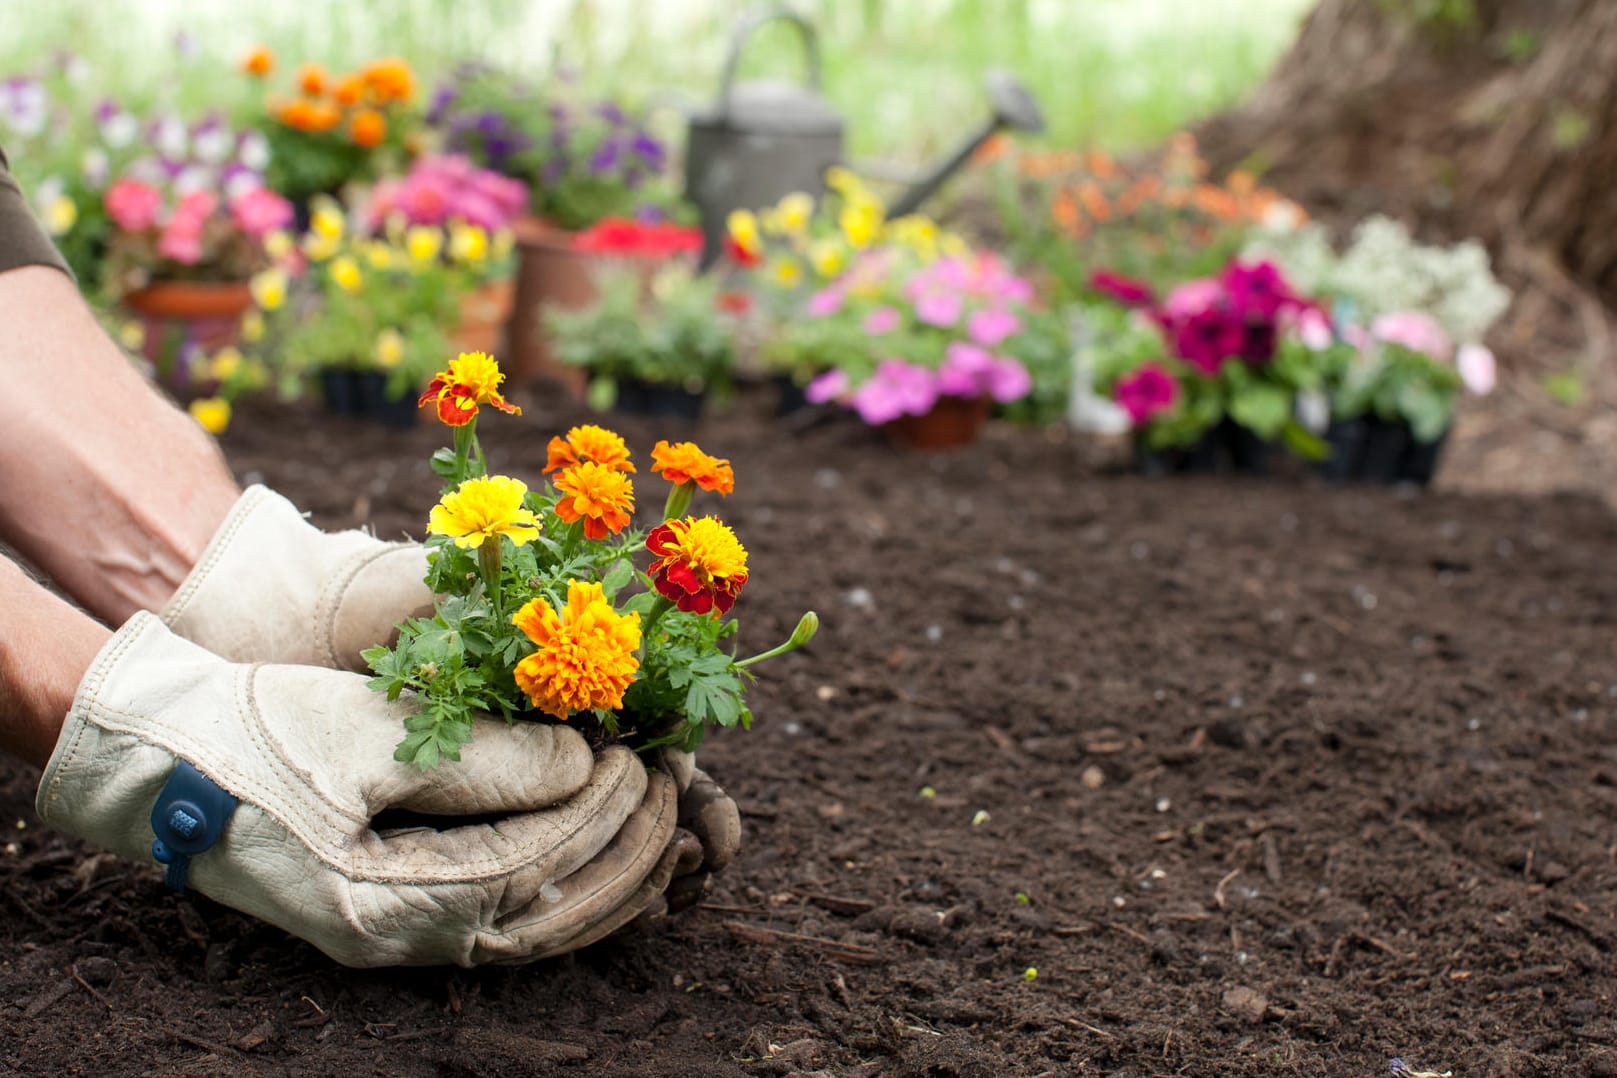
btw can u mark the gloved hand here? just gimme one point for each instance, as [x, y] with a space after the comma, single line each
[271, 587]
[590, 844]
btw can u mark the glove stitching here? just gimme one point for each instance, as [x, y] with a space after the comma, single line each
[83, 712]
[249, 502]
[332, 594]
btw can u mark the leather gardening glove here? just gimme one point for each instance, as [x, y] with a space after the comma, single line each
[271, 587]
[588, 845]
[708, 813]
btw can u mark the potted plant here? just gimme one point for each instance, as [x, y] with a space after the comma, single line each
[1409, 321]
[335, 129]
[585, 161]
[543, 613]
[187, 231]
[366, 315]
[476, 204]
[1210, 375]
[656, 340]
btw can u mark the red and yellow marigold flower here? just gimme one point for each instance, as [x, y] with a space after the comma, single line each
[701, 565]
[586, 653]
[485, 507]
[684, 462]
[473, 379]
[600, 496]
[588, 444]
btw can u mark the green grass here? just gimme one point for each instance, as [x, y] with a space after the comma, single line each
[906, 73]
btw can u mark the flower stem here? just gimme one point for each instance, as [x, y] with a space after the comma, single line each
[807, 626]
[465, 438]
[658, 609]
[679, 500]
[488, 560]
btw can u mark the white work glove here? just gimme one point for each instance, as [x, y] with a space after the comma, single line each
[271, 587]
[589, 845]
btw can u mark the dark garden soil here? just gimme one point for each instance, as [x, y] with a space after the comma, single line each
[1262, 778]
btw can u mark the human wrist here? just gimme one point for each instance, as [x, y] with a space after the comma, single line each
[45, 648]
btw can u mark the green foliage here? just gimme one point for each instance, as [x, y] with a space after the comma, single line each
[1044, 347]
[668, 330]
[1566, 388]
[1395, 383]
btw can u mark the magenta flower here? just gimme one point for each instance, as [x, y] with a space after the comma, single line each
[260, 211]
[1148, 392]
[992, 325]
[938, 308]
[1126, 290]
[831, 385]
[1258, 290]
[825, 302]
[881, 320]
[897, 388]
[1008, 380]
[965, 370]
[132, 205]
[1209, 338]
[1192, 298]
[1414, 330]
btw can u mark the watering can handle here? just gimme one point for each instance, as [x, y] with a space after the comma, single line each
[753, 20]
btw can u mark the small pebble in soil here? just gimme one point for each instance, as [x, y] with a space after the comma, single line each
[828, 479]
[859, 598]
[1580, 715]
[1119, 901]
[1309, 677]
[793, 729]
[1139, 551]
[1504, 548]
[1015, 602]
[1093, 777]
[1473, 724]
[1236, 703]
[825, 693]
[934, 633]
[1163, 804]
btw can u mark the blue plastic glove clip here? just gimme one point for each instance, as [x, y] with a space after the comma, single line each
[189, 817]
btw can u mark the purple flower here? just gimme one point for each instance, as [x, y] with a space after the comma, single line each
[881, 320]
[829, 386]
[938, 308]
[992, 325]
[1149, 391]
[606, 157]
[442, 99]
[611, 113]
[897, 388]
[649, 150]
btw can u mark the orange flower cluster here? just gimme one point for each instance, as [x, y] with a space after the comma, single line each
[357, 103]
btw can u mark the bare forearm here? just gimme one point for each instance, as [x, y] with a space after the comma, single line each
[103, 484]
[45, 648]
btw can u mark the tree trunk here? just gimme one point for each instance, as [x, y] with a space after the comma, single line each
[1505, 129]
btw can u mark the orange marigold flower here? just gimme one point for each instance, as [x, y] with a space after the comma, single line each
[701, 565]
[586, 657]
[389, 80]
[600, 496]
[322, 116]
[349, 90]
[312, 79]
[588, 443]
[684, 462]
[367, 128]
[473, 378]
[259, 62]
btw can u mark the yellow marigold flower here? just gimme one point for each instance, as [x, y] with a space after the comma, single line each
[269, 288]
[252, 327]
[327, 220]
[861, 222]
[225, 365]
[794, 212]
[212, 412]
[61, 215]
[389, 349]
[588, 443]
[423, 243]
[786, 272]
[743, 227]
[828, 257]
[485, 507]
[586, 654]
[468, 243]
[345, 272]
[684, 462]
[600, 496]
[132, 335]
[278, 244]
[472, 379]
[701, 565]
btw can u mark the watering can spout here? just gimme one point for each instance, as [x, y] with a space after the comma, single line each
[1013, 108]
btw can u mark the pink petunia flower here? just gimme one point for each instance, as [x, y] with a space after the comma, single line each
[965, 370]
[1008, 380]
[896, 388]
[132, 205]
[1477, 368]
[938, 308]
[881, 320]
[1414, 330]
[1149, 391]
[825, 302]
[260, 211]
[992, 325]
[832, 385]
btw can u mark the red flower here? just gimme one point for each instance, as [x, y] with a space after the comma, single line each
[1125, 290]
[635, 239]
[740, 255]
[701, 565]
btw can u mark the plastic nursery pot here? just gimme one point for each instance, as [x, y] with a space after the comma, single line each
[484, 312]
[658, 399]
[1374, 450]
[549, 273]
[340, 390]
[789, 395]
[395, 413]
[1227, 448]
[178, 314]
[952, 422]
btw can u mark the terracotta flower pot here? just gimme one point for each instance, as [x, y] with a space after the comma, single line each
[953, 421]
[175, 314]
[484, 313]
[549, 273]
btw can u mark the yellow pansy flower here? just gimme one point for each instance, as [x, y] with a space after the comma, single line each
[132, 335]
[225, 365]
[794, 212]
[345, 273]
[861, 223]
[61, 215]
[378, 255]
[213, 413]
[389, 349]
[423, 243]
[318, 248]
[786, 272]
[743, 227]
[468, 243]
[269, 288]
[327, 220]
[252, 327]
[828, 257]
[278, 244]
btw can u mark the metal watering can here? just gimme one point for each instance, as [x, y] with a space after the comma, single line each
[764, 139]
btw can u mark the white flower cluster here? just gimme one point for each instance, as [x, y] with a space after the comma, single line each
[1384, 271]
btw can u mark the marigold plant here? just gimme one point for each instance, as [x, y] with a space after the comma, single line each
[542, 612]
